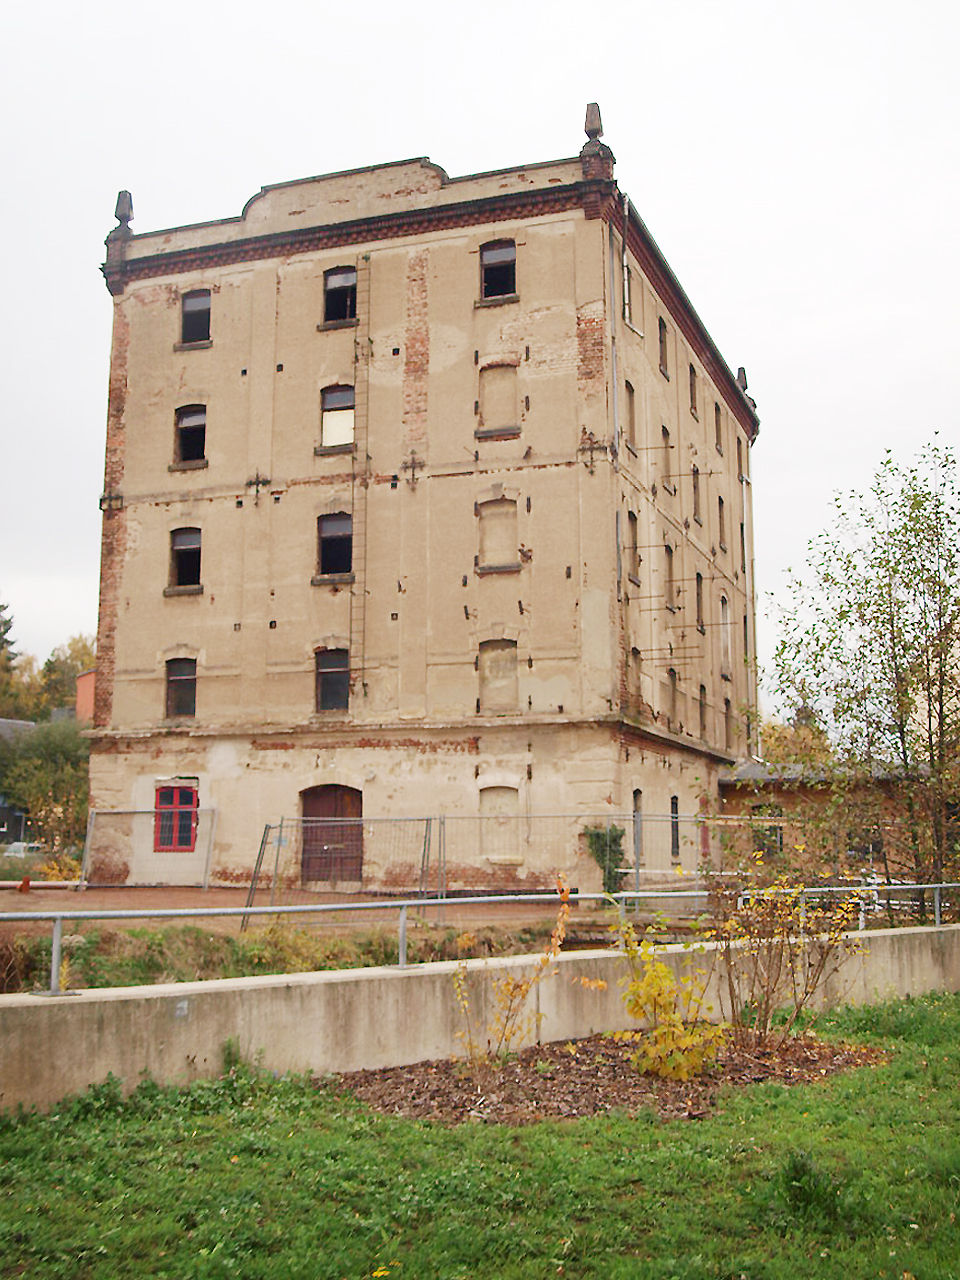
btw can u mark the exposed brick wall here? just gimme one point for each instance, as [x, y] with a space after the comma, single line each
[416, 366]
[114, 533]
[590, 350]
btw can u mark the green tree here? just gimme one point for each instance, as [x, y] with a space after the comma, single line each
[44, 772]
[871, 645]
[60, 671]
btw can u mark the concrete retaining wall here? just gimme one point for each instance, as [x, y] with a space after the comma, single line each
[349, 1019]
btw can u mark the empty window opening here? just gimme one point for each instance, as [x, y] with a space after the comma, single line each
[672, 709]
[498, 534]
[721, 524]
[339, 294]
[669, 588]
[746, 638]
[633, 548]
[665, 460]
[336, 417]
[638, 828]
[702, 711]
[499, 691]
[662, 330]
[498, 269]
[727, 725]
[696, 495]
[191, 434]
[628, 295]
[674, 828]
[185, 558]
[718, 427]
[724, 637]
[499, 408]
[332, 679]
[740, 471]
[181, 697]
[700, 623]
[693, 391]
[195, 316]
[175, 818]
[335, 543]
[743, 548]
[631, 414]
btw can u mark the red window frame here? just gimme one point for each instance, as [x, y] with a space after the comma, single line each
[175, 818]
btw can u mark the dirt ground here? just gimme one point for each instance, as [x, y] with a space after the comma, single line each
[564, 1081]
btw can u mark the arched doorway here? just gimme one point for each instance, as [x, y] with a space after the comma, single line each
[332, 834]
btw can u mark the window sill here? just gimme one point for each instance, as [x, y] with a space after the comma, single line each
[482, 569]
[496, 433]
[325, 450]
[194, 346]
[171, 722]
[337, 324]
[498, 301]
[196, 464]
[330, 713]
[332, 580]
[192, 589]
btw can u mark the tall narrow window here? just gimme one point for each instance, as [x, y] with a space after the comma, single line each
[498, 269]
[693, 391]
[190, 435]
[670, 591]
[339, 295]
[184, 558]
[175, 818]
[700, 623]
[628, 295]
[630, 425]
[335, 544]
[727, 725]
[665, 464]
[746, 639]
[740, 471]
[332, 679]
[662, 331]
[638, 828]
[718, 427]
[336, 417]
[674, 828]
[498, 535]
[497, 663]
[743, 549]
[499, 407]
[195, 317]
[181, 692]
[672, 708]
[702, 710]
[696, 495]
[721, 524]
[633, 549]
[724, 637]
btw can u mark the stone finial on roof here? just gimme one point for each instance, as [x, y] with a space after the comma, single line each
[124, 210]
[592, 126]
[596, 158]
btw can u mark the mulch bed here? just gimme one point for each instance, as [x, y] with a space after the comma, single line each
[587, 1077]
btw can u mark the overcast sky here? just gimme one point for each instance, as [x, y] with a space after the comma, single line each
[796, 163]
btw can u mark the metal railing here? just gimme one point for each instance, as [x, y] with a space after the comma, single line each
[868, 894]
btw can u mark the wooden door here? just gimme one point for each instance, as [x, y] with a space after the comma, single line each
[332, 834]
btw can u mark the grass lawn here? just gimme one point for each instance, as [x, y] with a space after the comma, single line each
[254, 1177]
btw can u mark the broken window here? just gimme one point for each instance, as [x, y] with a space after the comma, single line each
[191, 434]
[336, 417]
[721, 524]
[662, 331]
[499, 691]
[696, 495]
[700, 623]
[718, 427]
[339, 294]
[175, 818]
[185, 558]
[181, 697]
[498, 269]
[195, 317]
[633, 548]
[498, 534]
[631, 414]
[499, 407]
[332, 679]
[335, 544]
[693, 391]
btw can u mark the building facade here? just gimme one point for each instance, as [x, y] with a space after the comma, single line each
[422, 496]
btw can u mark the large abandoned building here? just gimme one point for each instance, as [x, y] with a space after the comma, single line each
[423, 495]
